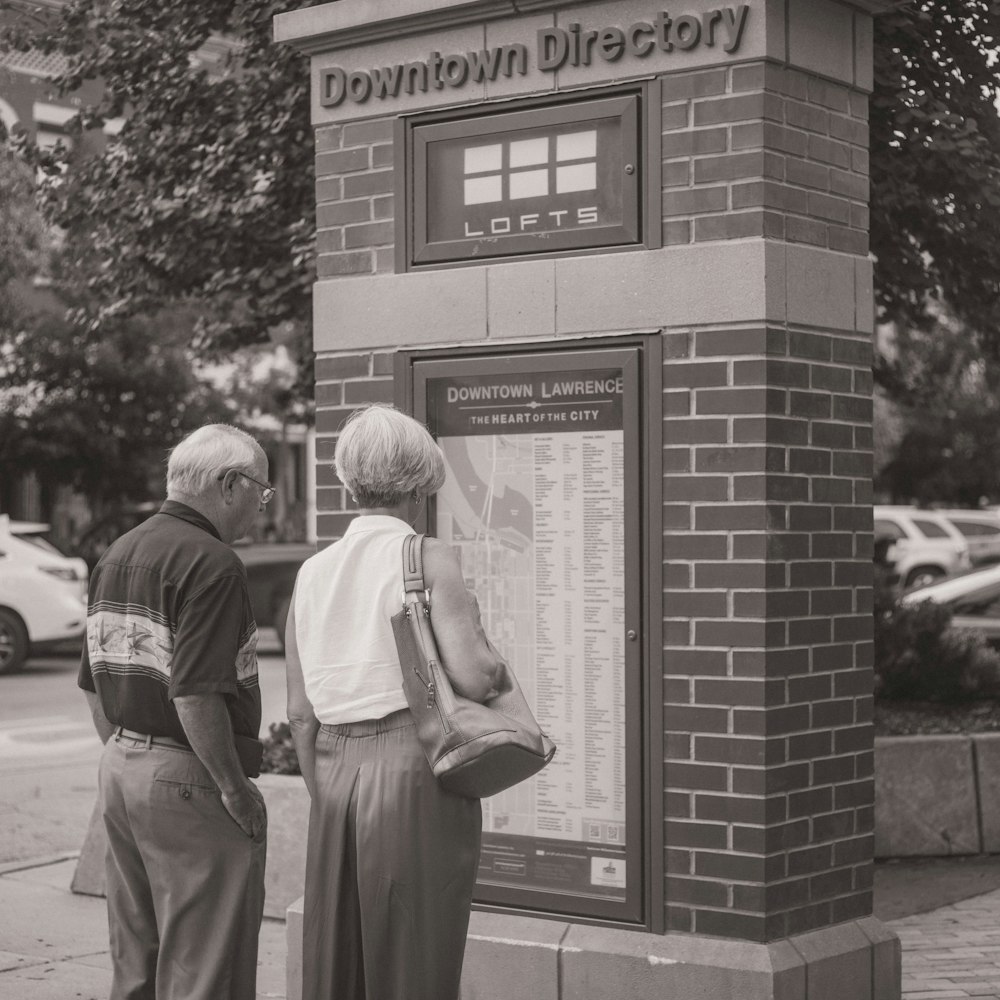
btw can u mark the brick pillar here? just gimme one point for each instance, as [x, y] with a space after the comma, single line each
[761, 293]
[767, 516]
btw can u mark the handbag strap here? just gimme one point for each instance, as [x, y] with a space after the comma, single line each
[413, 564]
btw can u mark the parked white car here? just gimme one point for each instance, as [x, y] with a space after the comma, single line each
[43, 594]
[974, 600]
[981, 529]
[925, 545]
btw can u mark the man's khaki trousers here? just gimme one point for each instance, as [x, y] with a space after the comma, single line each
[185, 883]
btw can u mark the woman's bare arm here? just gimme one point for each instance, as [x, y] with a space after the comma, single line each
[301, 719]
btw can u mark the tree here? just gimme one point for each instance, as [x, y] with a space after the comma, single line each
[935, 165]
[22, 232]
[949, 399]
[205, 197]
[98, 411]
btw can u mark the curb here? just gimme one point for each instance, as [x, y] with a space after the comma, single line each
[937, 796]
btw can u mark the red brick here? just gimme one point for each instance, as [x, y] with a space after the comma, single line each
[849, 184]
[810, 574]
[676, 460]
[739, 459]
[849, 130]
[791, 82]
[368, 133]
[740, 108]
[696, 488]
[770, 194]
[730, 167]
[731, 226]
[374, 182]
[830, 95]
[696, 431]
[383, 207]
[752, 340]
[694, 200]
[328, 394]
[676, 173]
[342, 162]
[696, 547]
[694, 142]
[344, 212]
[807, 174]
[694, 374]
[736, 401]
[730, 575]
[827, 207]
[838, 154]
[695, 662]
[747, 136]
[672, 117]
[770, 487]
[330, 420]
[332, 264]
[368, 391]
[676, 232]
[329, 240]
[328, 137]
[382, 156]
[809, 231]
[681, 86]
[848, 240]
[739, 926]
[859, 160]
[690, 834]
[809, 461]
[329, 189]
[729, 809]
[732, 633]
[732, 517]
[748, 77]
[695, 719]
[806, 116]
[788, 140]
[831, 379]
[859, 104]
[369, 235]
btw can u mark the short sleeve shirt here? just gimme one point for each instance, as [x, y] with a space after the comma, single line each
[169, 615]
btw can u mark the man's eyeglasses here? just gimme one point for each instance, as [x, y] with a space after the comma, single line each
[266, 491]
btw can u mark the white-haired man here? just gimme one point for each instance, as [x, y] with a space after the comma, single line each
[170, 670]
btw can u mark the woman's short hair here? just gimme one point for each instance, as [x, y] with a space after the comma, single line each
[383, 454]
[196, 462]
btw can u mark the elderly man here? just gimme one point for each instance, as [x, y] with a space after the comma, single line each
[170, 671]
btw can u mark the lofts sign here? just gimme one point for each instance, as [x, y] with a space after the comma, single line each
[555, 48]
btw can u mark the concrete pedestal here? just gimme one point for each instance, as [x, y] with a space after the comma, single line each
[511, 957]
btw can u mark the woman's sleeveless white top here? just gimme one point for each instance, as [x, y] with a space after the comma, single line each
[345, 596]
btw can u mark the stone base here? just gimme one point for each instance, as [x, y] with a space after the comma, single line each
[511, 956]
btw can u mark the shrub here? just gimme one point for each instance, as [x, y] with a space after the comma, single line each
[920, 657]
[279, 751]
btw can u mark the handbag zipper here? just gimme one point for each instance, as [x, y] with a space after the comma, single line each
[432, 701]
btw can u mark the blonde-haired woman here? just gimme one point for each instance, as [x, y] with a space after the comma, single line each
[392, 857]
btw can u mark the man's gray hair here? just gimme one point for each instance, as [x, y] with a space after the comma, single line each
[382, 455]
[196, 462]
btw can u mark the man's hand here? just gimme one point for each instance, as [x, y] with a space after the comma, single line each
[246, 806]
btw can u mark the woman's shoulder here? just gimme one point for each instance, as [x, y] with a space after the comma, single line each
[440, 560]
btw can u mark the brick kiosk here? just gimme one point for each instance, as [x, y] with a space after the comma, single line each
[755, 281]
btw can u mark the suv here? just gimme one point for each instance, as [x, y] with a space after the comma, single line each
[924, 545]
[981, 529]
[43, 594]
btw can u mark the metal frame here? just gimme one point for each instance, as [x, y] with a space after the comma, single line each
[636, 104]
[640, 359]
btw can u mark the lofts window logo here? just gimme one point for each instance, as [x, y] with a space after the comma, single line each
[521, 169]
[556, 47]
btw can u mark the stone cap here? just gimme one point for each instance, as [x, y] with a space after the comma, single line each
[346, 23]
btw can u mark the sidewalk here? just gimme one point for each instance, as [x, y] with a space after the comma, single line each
[54, 944]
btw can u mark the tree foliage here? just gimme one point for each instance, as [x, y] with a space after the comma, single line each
[205, 196]
[99, 412]
[935, 164]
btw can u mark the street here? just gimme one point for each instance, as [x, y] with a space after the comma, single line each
[49, 752]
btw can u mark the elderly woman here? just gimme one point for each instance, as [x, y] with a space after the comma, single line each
[392, 857]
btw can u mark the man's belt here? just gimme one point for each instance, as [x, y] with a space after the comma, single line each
[249, 750]
[155, 741]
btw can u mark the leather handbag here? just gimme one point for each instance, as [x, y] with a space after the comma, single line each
[473, 749]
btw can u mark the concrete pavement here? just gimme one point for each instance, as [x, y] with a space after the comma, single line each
[54, 944]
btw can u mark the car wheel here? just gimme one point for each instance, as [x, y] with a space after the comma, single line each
[13, 642]
[923, 576]
[280, 617]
